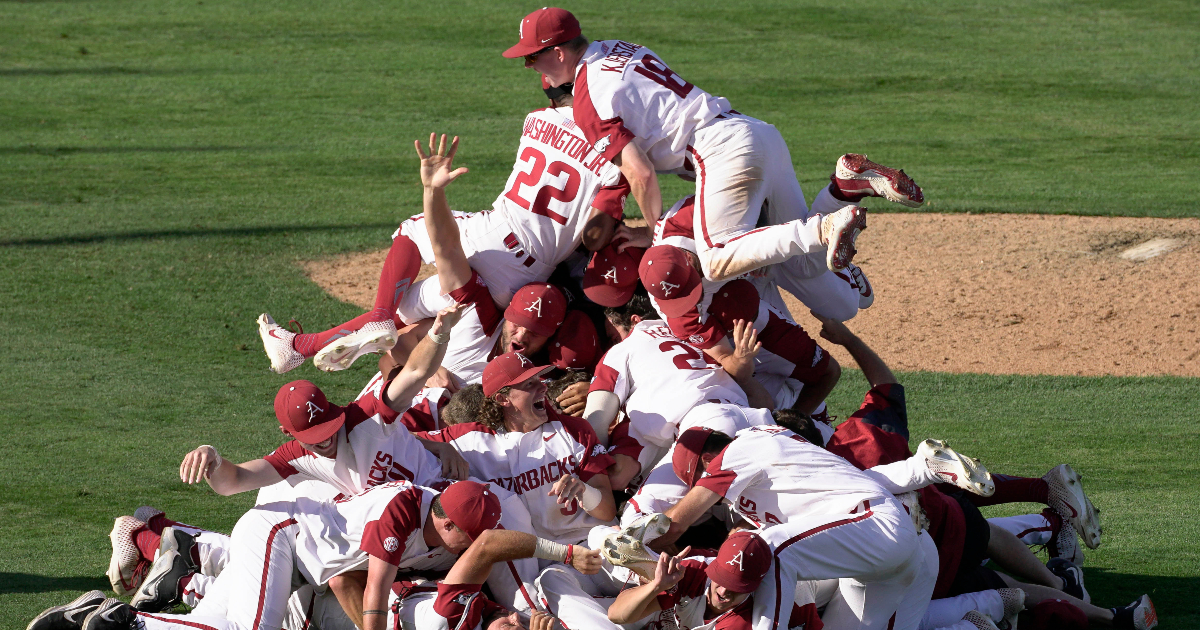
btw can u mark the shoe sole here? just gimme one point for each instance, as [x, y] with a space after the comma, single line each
[842, 251]
[341, 354]
[115, 578]
[1087, 523]
[659, 523]
[968, 473]
[90, 595]
[625, 551]
[883, 180]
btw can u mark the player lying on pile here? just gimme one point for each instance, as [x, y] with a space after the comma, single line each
[383, 528]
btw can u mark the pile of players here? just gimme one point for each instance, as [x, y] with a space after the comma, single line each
[585, 424]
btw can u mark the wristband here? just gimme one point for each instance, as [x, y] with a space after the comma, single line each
[219, 459]
[439, 338]
[590, 498]
[550, 550]
[570, 553]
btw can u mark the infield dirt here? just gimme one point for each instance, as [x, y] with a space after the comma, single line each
[992, 293]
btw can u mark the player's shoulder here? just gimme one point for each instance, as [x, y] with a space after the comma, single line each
[456, 431]
[290, 451]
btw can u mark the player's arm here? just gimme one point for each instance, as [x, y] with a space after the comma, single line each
[422, 362]
[348, 588]
[594, 496]
[641, 601]
[437, 172]
[600, 411]
[380, 575]
[499, 545]
[685, 514]
[724, 353]
[598, 230]
[226, 477]
[873, 367]
[745, 348]
[453, 464]
[643, 182]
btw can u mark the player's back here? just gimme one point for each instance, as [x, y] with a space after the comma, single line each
[660, 377]
[629, 82]
[557, 179]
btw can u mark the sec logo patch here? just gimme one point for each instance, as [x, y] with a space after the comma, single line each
[391, 544]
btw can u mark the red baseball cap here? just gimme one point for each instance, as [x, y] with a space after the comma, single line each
[509, 369]
[611, 276]
[576, 345]
[471, 506]
[1057, 614]
[548, 26]
[303, 411]
[538, 306]
[686, 460]
[670, 279]
[741, 563]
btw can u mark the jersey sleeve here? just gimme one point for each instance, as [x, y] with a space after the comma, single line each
[611, 199]
[595, 460]
[692, 584]
[385, 536]
[621, 443]
[595, 108]
[884, 407]
[475, 292]
[285, 460]
[611, 374]
[703, 335]
[370, 406]
[732, 471]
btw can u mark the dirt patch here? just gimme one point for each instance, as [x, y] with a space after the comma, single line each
[999, 294]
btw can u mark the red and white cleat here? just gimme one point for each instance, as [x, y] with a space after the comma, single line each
[856, 175]
[838, 232]
[1067, 498]
[126, 568]
[951, 467]
[340, 354]
[277, 341]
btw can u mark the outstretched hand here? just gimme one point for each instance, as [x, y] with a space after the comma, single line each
[668, 573]
[447, 318]
[199, 464]
[834, 331]
[437, 167]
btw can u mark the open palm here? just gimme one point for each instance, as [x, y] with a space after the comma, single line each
[437, 167]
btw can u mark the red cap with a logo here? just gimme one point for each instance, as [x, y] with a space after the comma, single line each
[471, 506]
[611, 276]
[538, 306]
[741, 563]
[302, 410]
[1056, 614]
[548, 26]
[576, 345]
[686, 460]
[509, 369]
[670, 279]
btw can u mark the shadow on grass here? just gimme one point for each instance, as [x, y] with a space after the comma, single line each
[83, 239]
[30, 583]
[1174, 597]
[57, 151]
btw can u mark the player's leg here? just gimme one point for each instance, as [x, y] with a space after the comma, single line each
[569, 596]
[915, 600]
[259, 574]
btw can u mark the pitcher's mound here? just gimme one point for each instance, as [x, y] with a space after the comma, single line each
[996, 293]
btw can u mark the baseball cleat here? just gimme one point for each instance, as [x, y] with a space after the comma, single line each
[838, 231]
[1139, 615]
[113, 614]
[1064, 543]
[1067, 498]
[277, 341]
[649, 526]
[622, 550]
[372, 338]
[1072, 577]
[980, 621]
[68, 616]
[145, 513]
[950, 467]
[860, 176]
[1014, 603]
[177, 540]
[866, 296]
[161, 590]
[126, 567]
[912, 504]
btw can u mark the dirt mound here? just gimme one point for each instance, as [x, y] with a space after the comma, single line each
[999, 294]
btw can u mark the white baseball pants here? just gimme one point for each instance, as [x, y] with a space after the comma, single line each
[948, 612]
[876, 555]
[253, 590]
[1031, 529]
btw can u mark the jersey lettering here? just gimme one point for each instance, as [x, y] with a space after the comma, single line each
[658, 72]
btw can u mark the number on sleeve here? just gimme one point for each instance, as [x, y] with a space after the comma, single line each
[658, 72]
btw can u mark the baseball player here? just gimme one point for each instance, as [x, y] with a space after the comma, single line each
[645, 118]
[383, 528]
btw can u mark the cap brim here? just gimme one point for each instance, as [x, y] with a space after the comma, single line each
[524, 376]
[678, 307]
[520, 50]
[334, 419]
[607, 295]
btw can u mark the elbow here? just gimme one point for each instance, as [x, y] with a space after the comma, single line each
[616, 617]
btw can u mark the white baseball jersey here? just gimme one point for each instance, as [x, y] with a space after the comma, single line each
[528, 464]
[659, 378]
[624, 92]
[423, 414]
[384, 521]
[770, 475]
[368, 454]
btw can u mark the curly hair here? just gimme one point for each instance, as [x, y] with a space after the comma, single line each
[638, 305]
[491, 414]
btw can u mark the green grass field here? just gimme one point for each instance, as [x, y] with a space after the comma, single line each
[164, 165]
